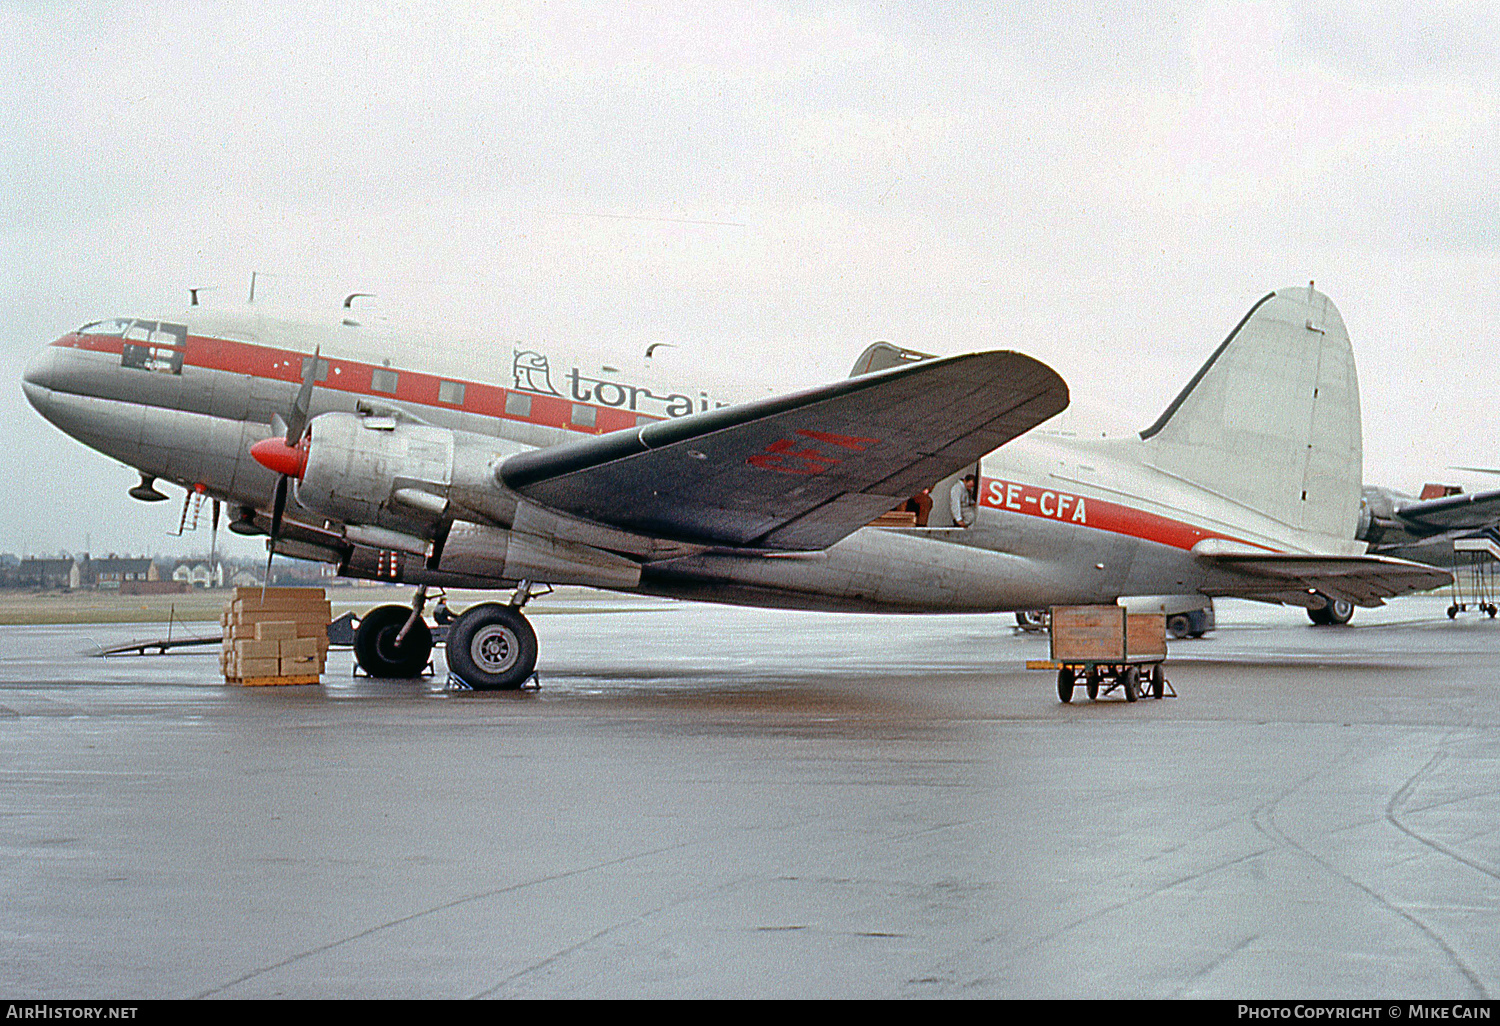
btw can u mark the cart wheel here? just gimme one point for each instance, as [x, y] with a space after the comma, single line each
[1452, 612]
[1128, 682]
[1492, 610]
[1158, 681]
[1091, 684]
[1065, 684]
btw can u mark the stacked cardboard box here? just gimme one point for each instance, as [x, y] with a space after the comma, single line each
[275, 636]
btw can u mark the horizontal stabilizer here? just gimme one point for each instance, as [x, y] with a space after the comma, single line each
[1291, 578]
[1454, 512]
[800, 471]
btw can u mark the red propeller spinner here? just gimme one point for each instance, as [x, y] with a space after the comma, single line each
[275, 454]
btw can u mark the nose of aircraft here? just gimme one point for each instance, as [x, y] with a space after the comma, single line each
[38, 379]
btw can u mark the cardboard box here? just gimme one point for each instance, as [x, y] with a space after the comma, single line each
[259, 668]
[276, 630]
[256, 649]
[242, 609]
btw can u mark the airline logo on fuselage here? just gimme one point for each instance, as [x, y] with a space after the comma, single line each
[531, 373]
[1039, 502]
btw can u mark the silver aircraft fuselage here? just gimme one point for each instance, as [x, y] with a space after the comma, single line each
[1060, 520]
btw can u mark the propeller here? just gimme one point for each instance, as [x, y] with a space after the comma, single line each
[285, 452]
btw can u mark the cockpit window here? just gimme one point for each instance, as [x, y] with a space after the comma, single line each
[114, 326]
[156, 346]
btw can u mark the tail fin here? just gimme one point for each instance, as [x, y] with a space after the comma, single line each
[1271, 421]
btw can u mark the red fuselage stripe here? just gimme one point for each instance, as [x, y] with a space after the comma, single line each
[351, 376]
[1083, 511]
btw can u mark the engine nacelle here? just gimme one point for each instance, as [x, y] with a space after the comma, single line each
[389, 474]
[493, 553]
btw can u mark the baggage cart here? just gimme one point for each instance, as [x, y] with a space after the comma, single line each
[1107, 649]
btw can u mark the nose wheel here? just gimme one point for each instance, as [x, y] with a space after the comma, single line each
[492, 647]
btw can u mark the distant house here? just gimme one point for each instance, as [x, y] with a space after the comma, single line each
[199, 575]
[244, 579]
[114, 572]
[48, 573]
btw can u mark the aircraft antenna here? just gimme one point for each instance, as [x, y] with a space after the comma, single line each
[252, 288]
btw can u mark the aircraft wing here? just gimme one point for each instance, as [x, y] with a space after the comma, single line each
[801, 471]
[1362, 580]
[1454, 512]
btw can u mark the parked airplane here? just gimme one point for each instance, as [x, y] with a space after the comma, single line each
[543, 469]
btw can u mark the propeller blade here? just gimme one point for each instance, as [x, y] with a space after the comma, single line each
[278, 506]
[303, 403]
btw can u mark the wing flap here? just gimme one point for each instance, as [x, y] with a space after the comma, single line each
[1362, 580]
[800, 471]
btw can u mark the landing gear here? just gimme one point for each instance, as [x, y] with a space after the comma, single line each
[492, 647]
[1334, 611]
[1034, 621]
[378, 650]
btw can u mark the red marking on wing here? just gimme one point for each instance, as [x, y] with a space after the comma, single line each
[843, 441]
[780, 455]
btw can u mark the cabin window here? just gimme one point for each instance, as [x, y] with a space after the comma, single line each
[383, 380]
[322, 374]
[451, 392]
[517, 405]
[584, 415]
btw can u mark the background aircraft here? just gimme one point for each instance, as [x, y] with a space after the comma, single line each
[538, 469]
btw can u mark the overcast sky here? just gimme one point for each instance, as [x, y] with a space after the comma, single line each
[1108, 187]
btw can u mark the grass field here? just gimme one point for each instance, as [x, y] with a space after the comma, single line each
[53, 607]
[59, 607]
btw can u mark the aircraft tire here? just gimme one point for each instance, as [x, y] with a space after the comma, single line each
[1033, 621]
[1065, 682]
[1179, 626]
[492, 648]
[375, 643]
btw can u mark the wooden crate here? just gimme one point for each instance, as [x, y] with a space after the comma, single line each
[1088, 634]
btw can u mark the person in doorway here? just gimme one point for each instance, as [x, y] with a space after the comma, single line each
[921, 505]
[961, 500]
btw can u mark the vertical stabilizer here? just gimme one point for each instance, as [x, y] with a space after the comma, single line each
[1271, 421]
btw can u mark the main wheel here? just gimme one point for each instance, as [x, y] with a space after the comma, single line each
[1340, 611]
[375, 645]
[1334, 611]
[492, 647]
[1065, 680]
[1033, 621]
[1128, 682]
[1179, 626]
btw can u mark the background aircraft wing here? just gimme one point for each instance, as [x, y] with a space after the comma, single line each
[800, 471]
[1362, 580]
[1454, 512]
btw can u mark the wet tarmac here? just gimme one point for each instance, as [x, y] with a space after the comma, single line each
[712, 802]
